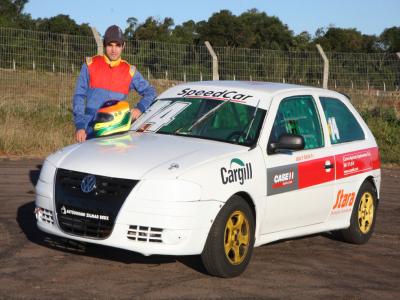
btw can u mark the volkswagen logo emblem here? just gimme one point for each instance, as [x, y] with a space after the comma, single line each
[88, 183]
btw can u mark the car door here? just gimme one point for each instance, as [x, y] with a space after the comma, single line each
[300, 184]
[354, 154]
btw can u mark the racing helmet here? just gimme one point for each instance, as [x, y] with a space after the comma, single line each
[113, 116]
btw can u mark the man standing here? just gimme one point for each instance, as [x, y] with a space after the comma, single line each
[106, 77]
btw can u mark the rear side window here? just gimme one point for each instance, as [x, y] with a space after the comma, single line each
[298, 115]
[343, 126]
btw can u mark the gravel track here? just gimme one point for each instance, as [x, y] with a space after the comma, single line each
[34, 265]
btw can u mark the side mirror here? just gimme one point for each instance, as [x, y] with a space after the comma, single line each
[287, 142]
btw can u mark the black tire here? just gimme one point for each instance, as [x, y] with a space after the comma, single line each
[361, 229]
[225, 232]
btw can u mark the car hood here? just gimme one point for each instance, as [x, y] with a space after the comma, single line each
[143, 155]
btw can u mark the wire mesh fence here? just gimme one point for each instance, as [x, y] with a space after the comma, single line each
[39, 69]
[270, 65]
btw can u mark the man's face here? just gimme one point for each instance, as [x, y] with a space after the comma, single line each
[114, 50]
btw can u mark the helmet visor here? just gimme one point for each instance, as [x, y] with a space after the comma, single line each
[103, 117]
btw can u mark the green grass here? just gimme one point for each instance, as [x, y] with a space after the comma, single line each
[37, 134]
[385, 126]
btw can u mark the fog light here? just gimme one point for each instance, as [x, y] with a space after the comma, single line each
[38, 213]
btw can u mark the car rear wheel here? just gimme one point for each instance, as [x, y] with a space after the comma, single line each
[362, 222]
[230, 241]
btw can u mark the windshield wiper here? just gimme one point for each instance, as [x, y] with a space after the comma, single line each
[205, 116]
[250, 124]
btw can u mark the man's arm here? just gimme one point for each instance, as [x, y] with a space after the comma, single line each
[78, 104]
[144, 89]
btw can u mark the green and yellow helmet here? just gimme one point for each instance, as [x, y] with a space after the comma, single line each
[114, 116]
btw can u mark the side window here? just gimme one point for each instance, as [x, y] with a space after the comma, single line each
[343, 126]
[298, 115]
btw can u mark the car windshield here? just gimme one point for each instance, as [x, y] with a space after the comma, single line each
[221, 120]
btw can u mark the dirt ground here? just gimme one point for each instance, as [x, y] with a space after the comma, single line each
[36, 265]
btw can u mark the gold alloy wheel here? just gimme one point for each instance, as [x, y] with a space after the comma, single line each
[366, 212]
[236, 237]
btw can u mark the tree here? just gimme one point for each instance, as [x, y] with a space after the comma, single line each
[302, 42]
[252, 29]
[222, 29]
[154, 30]
[265, 32]
[63, 24]
[185, 33]
[341, 40]
[390, 39]
[130, 30]
[11, 14]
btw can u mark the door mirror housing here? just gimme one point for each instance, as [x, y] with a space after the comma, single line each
[287, 142]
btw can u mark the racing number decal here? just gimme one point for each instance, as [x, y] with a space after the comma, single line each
[161, 115]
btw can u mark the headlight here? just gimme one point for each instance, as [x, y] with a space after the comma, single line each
[169, 190]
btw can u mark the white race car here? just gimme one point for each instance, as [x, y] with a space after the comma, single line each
[217, 168]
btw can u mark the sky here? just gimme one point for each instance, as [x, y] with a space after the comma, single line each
[367, 16]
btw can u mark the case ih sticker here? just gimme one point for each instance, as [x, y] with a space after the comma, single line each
[238, 172]
[282, 179]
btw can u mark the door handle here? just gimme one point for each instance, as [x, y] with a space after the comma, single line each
[329, 166]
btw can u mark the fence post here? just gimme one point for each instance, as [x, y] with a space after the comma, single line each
[326, 66]
[215, 60]
[398, 54]
[13, 64]
[99, 41]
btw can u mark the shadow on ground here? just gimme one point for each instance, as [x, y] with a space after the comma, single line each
[27, 222]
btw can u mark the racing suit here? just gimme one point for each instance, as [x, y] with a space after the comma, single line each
[100, 80]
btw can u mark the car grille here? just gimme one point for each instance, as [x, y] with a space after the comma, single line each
[145, 234]
[89, 214]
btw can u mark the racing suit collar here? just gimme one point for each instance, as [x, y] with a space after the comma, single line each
[112, 63]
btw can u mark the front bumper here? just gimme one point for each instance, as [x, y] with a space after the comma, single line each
[143, 226]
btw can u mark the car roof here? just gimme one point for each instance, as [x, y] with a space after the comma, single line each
[257, 90]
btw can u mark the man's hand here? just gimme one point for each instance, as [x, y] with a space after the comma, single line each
[80, 135]
[135, 112]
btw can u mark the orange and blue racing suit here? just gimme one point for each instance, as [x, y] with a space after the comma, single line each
[100, 80]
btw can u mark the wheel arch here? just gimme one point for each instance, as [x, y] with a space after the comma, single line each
[371, 180]
[246, 197]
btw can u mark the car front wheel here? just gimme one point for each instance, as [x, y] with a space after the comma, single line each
[230, 241]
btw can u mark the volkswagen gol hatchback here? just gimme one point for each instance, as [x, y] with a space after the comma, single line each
[217, 168]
